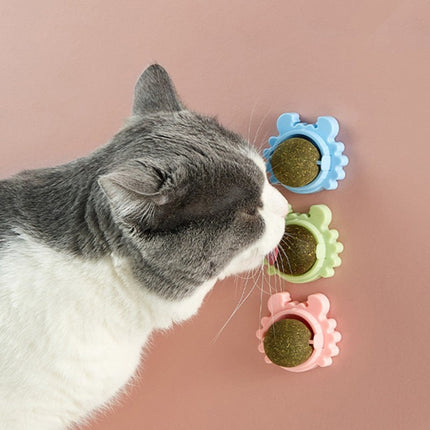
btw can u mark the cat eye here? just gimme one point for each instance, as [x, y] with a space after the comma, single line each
[253, 210]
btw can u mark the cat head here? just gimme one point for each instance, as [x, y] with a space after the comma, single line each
[190, 196]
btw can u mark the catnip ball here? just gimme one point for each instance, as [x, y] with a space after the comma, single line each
[298, 250]
[286, 343]
[294, 162]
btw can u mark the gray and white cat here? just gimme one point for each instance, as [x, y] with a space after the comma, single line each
[97, 253]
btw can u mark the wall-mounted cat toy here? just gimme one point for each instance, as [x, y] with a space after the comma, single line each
[298, 336]
[305, 158]
[309, 248]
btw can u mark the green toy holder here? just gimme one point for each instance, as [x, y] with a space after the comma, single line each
[327, 249]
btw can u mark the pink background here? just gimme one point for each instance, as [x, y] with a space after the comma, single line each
[67, 75]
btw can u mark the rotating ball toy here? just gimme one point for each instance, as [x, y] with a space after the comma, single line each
[309, 248]
[298, 336]
[305, 158]
[287, 342]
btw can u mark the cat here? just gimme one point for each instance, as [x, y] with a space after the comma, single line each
[98, 253]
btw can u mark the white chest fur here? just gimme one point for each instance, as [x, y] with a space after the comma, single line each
[71, 332]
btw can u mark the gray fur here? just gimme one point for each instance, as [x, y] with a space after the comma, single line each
[173, 191]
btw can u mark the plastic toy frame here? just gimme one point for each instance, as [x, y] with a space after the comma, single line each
[314, 313]
[322, 135]
[327, 250]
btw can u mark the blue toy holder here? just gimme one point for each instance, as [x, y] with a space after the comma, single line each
[322, 135]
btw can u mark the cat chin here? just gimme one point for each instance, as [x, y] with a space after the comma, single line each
[252, 263]
[243, 265]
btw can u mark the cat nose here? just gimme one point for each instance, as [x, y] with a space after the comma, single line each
[285, 209]
[280, 203]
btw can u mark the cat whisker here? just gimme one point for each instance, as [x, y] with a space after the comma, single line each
[263, 143]
[290, 236]
[281, 261]
[269, 283]
[247, 277]
[261, 296]
[275, 280]
[261, 288]
[286, 257]
[250, 120]
[278, 268]
[242, 301]
[276, 165]
[258, 131]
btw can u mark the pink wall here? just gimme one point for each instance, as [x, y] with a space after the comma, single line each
[67, 74]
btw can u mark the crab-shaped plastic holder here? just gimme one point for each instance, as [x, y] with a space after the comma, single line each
[322, 135]
[327, 249]
[314, 313]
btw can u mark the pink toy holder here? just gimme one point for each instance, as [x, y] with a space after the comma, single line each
[314, 313]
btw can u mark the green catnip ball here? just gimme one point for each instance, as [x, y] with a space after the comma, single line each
[294, 162]
[298, 250]
[286, 343]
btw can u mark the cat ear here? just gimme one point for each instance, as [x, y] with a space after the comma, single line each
[155, 92]
[135, 189]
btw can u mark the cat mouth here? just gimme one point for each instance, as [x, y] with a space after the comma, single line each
[272, 256]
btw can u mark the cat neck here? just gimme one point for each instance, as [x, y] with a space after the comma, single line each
[161, 312]
[62, 207]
